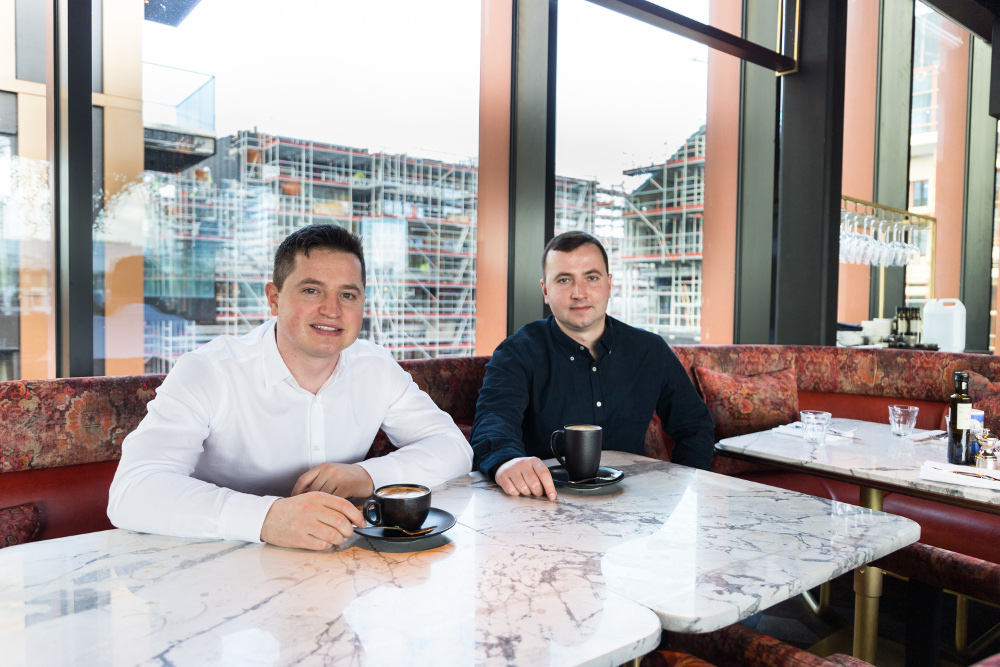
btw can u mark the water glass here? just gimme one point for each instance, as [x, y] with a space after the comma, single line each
[902, 419]
[814, 425]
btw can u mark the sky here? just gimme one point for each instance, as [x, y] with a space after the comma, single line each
[403, 76]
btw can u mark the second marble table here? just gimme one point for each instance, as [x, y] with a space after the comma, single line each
[701, 550]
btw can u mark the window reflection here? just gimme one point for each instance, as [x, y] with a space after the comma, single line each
[937, 138]
[639, 144]
[237, 152]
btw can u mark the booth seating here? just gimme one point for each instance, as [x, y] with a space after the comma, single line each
[60, 440]
[751, 388]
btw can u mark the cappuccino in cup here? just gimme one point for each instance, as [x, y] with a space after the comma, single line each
[403, 506]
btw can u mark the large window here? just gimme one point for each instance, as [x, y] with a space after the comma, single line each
[937, 146]
[258, 119]
[630, 159]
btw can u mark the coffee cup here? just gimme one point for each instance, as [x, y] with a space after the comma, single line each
[399, 505]
[583, 450]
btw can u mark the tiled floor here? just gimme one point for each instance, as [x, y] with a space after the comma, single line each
[794, 623]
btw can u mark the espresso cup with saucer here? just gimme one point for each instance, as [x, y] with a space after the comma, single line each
[583, 450]
[398, 506]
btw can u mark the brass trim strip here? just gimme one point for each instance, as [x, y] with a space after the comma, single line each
[781, 37]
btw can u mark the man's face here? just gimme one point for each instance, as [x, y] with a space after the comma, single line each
[577, 287]
[320, 307]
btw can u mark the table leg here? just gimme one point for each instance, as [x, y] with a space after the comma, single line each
[867, 590]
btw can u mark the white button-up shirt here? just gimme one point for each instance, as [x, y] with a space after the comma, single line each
[230, 431]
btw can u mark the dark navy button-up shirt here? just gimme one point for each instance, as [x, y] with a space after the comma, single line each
[540, 380]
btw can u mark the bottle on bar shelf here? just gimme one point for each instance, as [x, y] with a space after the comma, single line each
[960, 422]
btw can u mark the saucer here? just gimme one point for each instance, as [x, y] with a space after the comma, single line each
[440, 518]
[561, 478]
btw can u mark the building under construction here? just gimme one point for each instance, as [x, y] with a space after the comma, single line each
[211, 232]
[661, 250]
[210, 243]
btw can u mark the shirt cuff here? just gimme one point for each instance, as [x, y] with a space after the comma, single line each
[492, 461]
[384, 470]
[242, 517]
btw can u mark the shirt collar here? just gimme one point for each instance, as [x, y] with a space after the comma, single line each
[275, 370]
[604, 345]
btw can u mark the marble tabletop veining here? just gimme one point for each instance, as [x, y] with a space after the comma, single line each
[876, 456]
[518, 581]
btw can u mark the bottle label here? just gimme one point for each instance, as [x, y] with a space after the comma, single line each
[963, 416]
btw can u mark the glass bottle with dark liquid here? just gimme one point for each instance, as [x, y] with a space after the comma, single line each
[960, 422]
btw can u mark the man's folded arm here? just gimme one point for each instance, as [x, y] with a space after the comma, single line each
[432, 449]
[497, 433]
[153, 490]
[685, 417]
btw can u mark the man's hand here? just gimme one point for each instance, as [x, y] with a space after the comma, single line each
[315, 521]
[526, 476]
[338, 479]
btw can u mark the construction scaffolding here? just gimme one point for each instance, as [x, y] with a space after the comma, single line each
[209, 247]
[662, 245]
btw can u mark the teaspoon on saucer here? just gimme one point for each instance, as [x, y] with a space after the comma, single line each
[420, 531]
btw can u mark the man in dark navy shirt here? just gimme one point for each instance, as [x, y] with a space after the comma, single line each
[581, 366]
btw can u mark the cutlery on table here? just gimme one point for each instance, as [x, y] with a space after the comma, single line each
[971, 474]
[933, 437]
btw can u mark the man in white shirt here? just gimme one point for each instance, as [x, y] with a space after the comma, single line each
[261, 437]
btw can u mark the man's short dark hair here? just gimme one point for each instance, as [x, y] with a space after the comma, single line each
[570, 241]
[307, 239]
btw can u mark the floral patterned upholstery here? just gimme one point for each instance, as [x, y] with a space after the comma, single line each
[453, 383]
[740, 646]
[50, 423]
[19, 525]
[911, 374]
[986, 396]
[747, 403]
[672, 659]
[945, 569]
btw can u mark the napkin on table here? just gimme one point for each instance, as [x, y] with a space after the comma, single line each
[956, 474]
[796, 429]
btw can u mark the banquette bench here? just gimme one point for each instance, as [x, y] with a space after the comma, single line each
[60, 440]
[754, 387]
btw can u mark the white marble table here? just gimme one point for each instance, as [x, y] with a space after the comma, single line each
[122, 598]
[877, 460]
[519, 581]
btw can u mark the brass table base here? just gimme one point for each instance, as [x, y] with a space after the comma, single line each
[867, 590]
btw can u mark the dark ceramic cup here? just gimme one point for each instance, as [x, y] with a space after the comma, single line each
[583, 450]
[402, 505]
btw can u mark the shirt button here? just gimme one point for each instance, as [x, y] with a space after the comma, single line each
[594, 368]
[572, 358]
[598, 404]
[316, 449]
[582, 348]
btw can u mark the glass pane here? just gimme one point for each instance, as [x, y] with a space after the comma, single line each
[937, 146]
[996, 253]
[630, 161]
[326, 124]
[27, 322]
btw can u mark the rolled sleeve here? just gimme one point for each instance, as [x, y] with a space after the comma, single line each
[497, 433]
[432, 449]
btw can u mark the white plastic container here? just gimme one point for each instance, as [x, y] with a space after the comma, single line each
[944, 324]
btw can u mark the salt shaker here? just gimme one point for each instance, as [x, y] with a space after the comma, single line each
[987, 458]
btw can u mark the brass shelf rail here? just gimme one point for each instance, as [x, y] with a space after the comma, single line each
[893, 215]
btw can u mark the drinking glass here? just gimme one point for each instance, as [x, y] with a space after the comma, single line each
[814, 425]
[902, 419]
